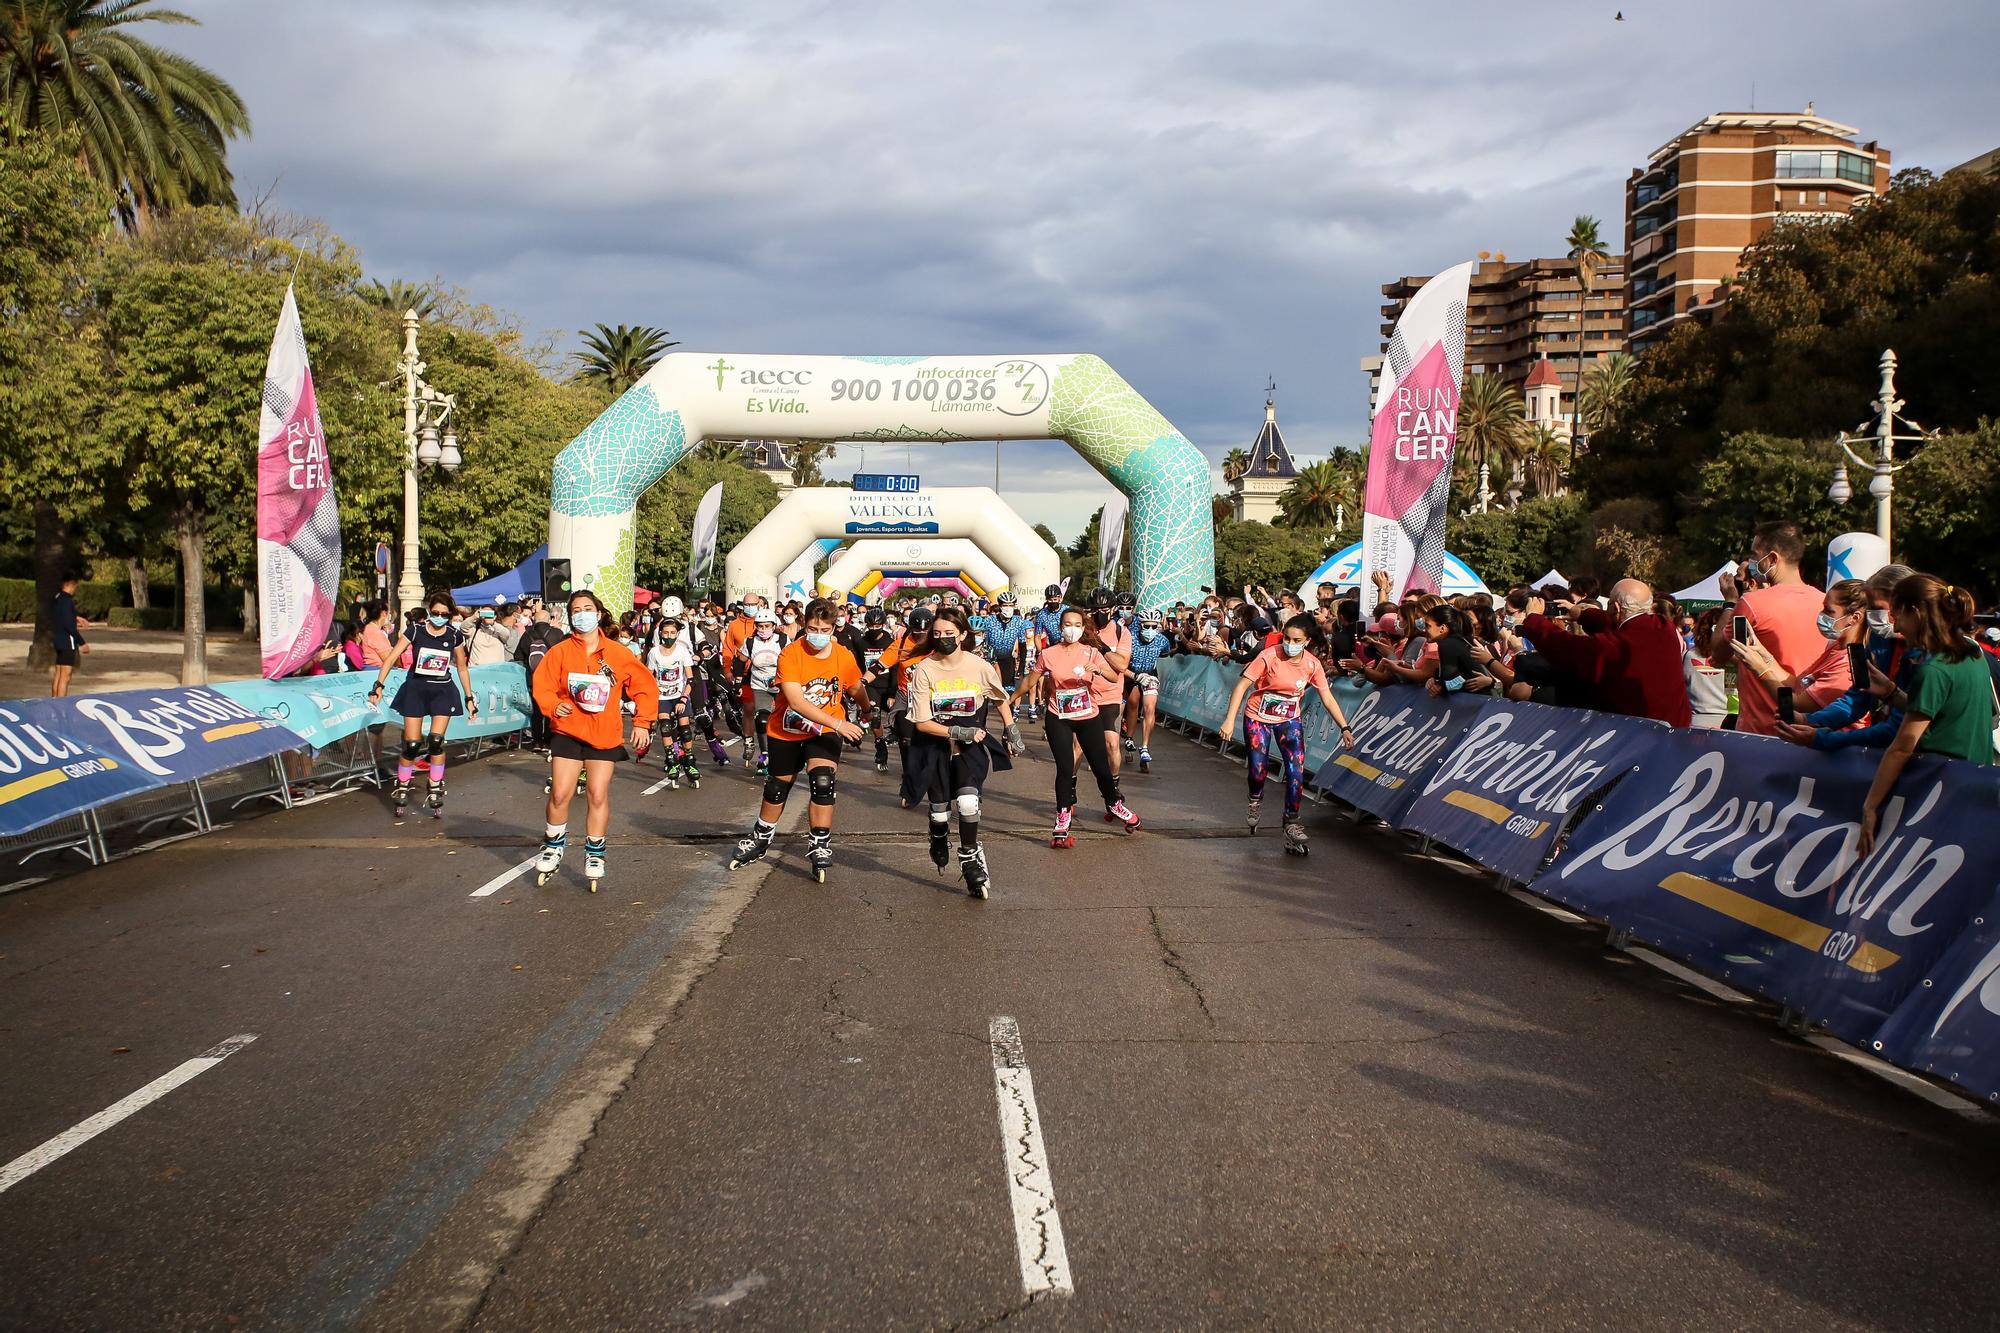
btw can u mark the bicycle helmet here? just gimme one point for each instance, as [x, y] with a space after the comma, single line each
[876, 617]
[920, 619]
[1100, 599]
[1126, 601]
[1008, 598]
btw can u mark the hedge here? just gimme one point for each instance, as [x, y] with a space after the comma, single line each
[105, 604]
[152, 617]
[93, 600]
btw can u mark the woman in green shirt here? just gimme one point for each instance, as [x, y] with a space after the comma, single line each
[1951, 711]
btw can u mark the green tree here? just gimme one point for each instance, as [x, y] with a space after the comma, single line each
[1587, 248]
[55, 467]
[720, 451]
[1314, 497]
[666, 517]
[1506, 547]
[1605, 389]
[1948, 508]
[1543, 453]
[1235, 463]
[154, 126]
[397, 297]
[807, 455]
[1755, 479]
[616, 356]
[1259, 553]
[1490, 422]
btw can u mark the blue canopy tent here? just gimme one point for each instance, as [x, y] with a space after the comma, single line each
[1343, 571]
[524, 580]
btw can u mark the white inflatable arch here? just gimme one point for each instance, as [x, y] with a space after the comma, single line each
[973, 513]
[892, 557]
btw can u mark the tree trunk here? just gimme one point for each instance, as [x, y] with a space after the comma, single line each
[190, 528]
[142, 584]
[249, 613]
[51, 553]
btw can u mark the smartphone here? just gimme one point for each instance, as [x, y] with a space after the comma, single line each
[1785, 713]
[1857, 664]
[1740, 627]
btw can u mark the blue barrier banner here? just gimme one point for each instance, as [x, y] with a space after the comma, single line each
[1196, 689]
[175, 735]
[325, 709]
[1401, 734]
[1520, 775]
[1950, 1026]
[1737, 854]
[47, 773]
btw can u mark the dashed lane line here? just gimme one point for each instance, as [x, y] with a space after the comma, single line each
[18, 1170]
[1037, 1227]
[503, 879]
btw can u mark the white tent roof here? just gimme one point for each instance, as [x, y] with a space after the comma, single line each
[1709, 589]
[1555, 576]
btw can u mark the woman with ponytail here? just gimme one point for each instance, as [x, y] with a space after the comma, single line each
[1952, 709]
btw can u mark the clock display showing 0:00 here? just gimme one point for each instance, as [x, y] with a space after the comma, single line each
[915, 391]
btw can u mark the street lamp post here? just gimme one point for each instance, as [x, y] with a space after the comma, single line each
[424, 410]
[1882, 468]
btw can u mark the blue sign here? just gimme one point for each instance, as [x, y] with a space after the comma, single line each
[1521, 775]
[325, 709]
[47, 773]
[1950, 1026]
[900, 483]
[173, 735]
[382, 556]
[1401, 734]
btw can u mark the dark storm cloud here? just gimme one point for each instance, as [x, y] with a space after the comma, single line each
[1202, 195]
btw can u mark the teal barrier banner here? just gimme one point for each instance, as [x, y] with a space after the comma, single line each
[325, 709]
[1197, 690]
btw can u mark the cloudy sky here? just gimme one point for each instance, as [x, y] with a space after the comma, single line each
[1205, 195]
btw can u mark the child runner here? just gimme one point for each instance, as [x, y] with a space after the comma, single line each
[760, 679]
[581, 685]
[427, 697]
[952, 752]
[815, 675]
[672, 663]
[1066, 671]
[1142, 699]
[1279, 677]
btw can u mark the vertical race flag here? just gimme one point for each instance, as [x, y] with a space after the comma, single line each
[1110, 540]
[1410, 445]
[701, 543]
[298, 522]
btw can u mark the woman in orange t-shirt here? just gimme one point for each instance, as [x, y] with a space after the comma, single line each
[580, 686]
[1277, 680]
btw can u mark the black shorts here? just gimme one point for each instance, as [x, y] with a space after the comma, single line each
[1010, 675]
[566, 746]
[788, 757]
[67, 657]
[1107, 716]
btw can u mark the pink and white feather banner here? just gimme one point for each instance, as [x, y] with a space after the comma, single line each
[1414, 434]
[298, 521]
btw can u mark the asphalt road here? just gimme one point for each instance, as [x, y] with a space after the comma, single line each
[1362, 1088]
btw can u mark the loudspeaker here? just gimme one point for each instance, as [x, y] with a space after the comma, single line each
[555, 582]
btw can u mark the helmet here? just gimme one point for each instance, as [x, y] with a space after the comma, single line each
[1150, 617]
[1008, 598]
[1052, 592]
[920, 619]
[673, 608]
[876, 616]
[1126, 601]
[951, 599]
[1100, 599]
[764, 615]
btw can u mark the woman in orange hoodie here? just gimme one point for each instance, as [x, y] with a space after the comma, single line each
[579, 687]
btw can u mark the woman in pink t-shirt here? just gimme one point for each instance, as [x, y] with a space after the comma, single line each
[1076, 671]
[1276, 681]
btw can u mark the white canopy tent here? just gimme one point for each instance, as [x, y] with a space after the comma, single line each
[1709, 589]
[1555, 576]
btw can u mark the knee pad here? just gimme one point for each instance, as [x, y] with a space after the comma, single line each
[435, 747]
[940, 812]
[413, 751]
[776, 789]
[820, 784]
[968, 804]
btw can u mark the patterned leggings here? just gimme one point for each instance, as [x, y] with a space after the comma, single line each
[1291, 748]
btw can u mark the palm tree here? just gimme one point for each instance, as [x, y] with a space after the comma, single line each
[1314, 496]
[1586, 247]
[1491, 419]
[397, 297]
[1545, 453]
[154, 125]
[1235, 463]
[1604, 390]
[720, 451]
[619, 356]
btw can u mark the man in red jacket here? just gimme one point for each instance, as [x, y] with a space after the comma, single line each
[1632, 668]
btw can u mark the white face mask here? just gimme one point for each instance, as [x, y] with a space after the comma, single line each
[1006, 613]
[1291, 649]
[1072, 633]
[1879, 623]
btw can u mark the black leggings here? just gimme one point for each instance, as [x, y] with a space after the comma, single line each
[1089, 733]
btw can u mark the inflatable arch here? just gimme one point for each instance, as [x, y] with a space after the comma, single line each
[974, 513]
[690, 396]
[893, 557]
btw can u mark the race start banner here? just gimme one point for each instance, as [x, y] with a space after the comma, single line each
[1411, 440]
[298, 520]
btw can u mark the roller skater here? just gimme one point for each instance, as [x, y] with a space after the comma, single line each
[760, 688]
[710, 691]
[581, 685]
[1276, 681]
[672, 663]
[951, 751]
[814, 677]
[1115, 642]
[912, 648]
[427, 699]
[1065, 672]
[1142, 689]
[1044, 629]
[877, 639]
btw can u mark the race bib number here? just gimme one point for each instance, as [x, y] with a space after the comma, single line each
[1073, 703]
[432, 662]
[793, 720]
[590, 690]
[948, 705]
[871, 659]
[1279, 707]
[673, 681]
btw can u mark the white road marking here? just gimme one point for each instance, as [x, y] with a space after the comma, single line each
[1037, 1228]
[657, 786]
[1902, 1078]
[82, 1132]
[503, 879]
[1690, 976]
[1545, 907]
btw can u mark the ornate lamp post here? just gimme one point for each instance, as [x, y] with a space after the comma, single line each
[1882, 468]
[424, 410]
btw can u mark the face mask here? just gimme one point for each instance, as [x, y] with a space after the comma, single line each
[438, 620]
[1072, 633]
[791, 620]
[583, 622]
[1208, 627]
[1101, 618]
[1878, 622]
[817, 641]
[765, 631]
[1756, 570]
[1827, 626]
[708, 622]
[1125, 617]
[1292, 649]
[1149, 634]
[1006, 613]
[840, 622]
[946, 646]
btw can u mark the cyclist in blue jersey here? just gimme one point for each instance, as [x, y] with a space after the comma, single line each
[1044, 628]
[1142, 685]
[1006, 639]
